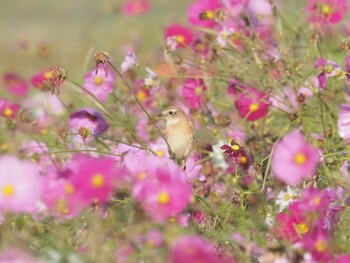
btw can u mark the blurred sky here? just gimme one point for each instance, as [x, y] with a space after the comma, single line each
[74, 29]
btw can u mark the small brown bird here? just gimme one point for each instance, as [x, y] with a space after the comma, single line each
[179, 133]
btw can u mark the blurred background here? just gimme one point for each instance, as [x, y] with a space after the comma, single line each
[37, 34]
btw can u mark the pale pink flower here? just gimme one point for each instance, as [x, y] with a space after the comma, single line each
[129, 62]
[327, 11]
[100, 85]
[20, 184]
[344, 122]
[135, 7]
[14, 255]
[195, 249]
[294, 159]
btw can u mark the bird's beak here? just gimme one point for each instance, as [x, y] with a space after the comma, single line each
[159, 115]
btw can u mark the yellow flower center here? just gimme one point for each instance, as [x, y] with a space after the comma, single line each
[48, 75]
[302, 228]
[8, 112]
[98, 80]
[243, 160]
[61, 207]
[235, 147]
[141, 176]
[209, 14]
[160, 153]
[8, 190]
[198, 90]
[68, 188]
[326, 9]
[97, 181]
[224, 35]
[287, 197]
[253, 107]
[163, 198]
[321, 245]
[300, 158]
[317, 200]
[44, 131]
[141, 95]
[4, 147]
[180, 39]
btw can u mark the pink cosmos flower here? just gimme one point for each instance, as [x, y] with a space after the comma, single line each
[86, 122]
[129, 62]
[93, 179]
[326, 11]
[14, 255]
[101, 84]
[342, 259]
[165, 192]
[37, 152]
[182, 34]
[41, 80]
[202, 12]
[318, 242]
[195, 249]
[328, 69]
[294, 159]
[58, 195]
[20, 184]
[285, 100]
[192, 91]
[8, 110]
[252, 104]
[344, 122]
[347, 69]
[293, 225]
[135, 7]
[15, 84]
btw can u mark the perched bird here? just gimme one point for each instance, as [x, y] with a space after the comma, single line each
[179, 133]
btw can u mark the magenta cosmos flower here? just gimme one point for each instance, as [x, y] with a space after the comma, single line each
[195, 249]
[182, 34]
[202, 12]
[93, 179]
[193, 92]
[328, 68]
[327, 11]
[294, 159]
[165, 192]
[7, 109]
[319, 243]
[15, 84]
[41, 80]
[135, 7]
[101, 84]
[86, 122]
[252, 104]
[20, 184]
[294, 225]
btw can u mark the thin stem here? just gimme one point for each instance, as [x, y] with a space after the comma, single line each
[139, 103]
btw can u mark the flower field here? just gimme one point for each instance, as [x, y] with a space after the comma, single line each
[184, 131]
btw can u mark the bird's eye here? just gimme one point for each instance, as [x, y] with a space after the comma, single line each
[171, 112]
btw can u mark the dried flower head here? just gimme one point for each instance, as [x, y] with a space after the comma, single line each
[101, 57]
